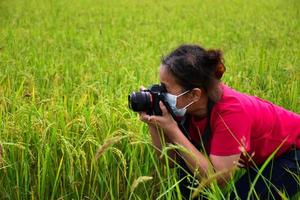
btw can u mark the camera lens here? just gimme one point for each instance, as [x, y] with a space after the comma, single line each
[140, 101]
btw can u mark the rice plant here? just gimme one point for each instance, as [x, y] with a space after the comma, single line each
[66, 68]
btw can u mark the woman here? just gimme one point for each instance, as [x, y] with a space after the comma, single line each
[227, 123]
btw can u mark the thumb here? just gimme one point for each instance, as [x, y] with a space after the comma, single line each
[142, 87]
[163, 108]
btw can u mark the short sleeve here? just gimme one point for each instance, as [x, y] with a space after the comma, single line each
[231, 129]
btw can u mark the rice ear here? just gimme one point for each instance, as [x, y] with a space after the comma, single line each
[139, 180]
[107, 143]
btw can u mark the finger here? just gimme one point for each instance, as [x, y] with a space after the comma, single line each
[142, 113]
[155, 120]
[241, 162]
[163, 108]
[151, 119]
[251, 157]
[243, 150]
[238, 164]
[142, 87]
[144, 117]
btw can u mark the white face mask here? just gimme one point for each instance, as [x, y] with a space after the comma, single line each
[172, 100]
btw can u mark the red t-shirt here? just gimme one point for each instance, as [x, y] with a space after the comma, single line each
[242, 120]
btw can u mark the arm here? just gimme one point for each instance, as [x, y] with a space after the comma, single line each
[195, 160]
[199, 163]
[159, 139]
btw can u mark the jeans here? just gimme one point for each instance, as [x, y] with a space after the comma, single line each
[281, 174]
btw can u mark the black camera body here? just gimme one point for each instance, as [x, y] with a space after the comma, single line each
[148, 100]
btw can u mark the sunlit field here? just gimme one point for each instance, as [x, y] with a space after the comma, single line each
[67, 67]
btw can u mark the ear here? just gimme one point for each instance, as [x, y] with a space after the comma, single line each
[195, 94]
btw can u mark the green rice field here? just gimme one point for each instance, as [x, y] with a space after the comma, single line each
[67, 67]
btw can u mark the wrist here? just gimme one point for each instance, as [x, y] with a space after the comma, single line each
[174, 134]
[152, 127]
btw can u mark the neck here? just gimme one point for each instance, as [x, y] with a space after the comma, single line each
[201, 108]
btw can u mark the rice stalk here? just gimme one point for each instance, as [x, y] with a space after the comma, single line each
[119, 153]
[139, 180]
[211, 178]
[108, 142]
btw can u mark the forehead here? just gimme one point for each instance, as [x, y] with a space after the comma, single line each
[168, 80]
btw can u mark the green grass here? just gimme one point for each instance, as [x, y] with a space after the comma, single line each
[66, 68]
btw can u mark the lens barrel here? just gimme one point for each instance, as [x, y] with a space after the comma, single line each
[140, 101]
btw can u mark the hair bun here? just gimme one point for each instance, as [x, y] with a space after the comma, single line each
[220, 70]
[214, 62]
[213, 58]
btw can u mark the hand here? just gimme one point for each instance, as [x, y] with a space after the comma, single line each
[165, 122]
[142, 88]
[144, 117]
[246, 161]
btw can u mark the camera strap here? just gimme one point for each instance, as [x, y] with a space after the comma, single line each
[184, 124]
[207, 131]
[184, 171]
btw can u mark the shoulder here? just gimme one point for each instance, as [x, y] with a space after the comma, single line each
[231, 101]
[233, 108]
[230, 122]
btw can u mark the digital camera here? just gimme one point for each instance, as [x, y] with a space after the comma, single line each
[148, 100]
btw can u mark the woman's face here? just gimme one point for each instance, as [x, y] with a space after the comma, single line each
[172, 87]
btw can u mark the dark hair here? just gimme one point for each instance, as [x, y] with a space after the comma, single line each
[196, 67]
